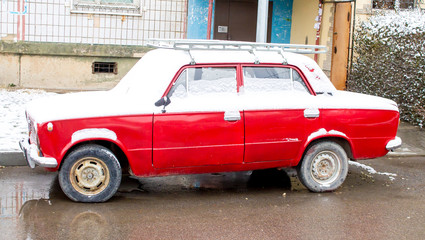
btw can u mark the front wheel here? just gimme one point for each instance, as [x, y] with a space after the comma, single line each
[324, 167]
[90, 173]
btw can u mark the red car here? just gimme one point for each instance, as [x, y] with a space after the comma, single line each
[204, 107]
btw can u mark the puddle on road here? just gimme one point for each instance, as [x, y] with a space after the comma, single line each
[19, 185]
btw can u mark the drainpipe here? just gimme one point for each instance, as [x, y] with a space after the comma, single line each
[210, 8]
[262, 16]
[318, 28]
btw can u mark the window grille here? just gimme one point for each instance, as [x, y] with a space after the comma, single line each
[391, 4]
[104, 67]
[108, 7]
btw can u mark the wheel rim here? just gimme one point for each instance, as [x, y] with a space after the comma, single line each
[325, 167]
[89, 176]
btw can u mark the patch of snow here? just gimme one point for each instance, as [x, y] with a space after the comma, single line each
[13, 125]
[93, 133]
[318, 133]
[400, 22]
[370, 170]
[323, 132]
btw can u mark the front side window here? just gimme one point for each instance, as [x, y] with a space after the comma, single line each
[200, 81]
[272, 79]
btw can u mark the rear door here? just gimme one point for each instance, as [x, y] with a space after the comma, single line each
[275, 100]
[203, 125]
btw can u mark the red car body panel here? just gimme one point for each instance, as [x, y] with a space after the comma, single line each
[196, 139]
[273, 135]
[180, 146]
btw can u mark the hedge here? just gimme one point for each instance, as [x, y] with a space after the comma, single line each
[390, 61]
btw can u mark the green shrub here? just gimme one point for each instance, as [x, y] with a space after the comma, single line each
[390, 61]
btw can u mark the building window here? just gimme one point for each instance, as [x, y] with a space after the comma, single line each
[391, 4]
[108, 7]
[104, 67]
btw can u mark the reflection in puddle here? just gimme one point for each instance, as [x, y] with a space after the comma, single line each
[10, 204]
[64, 219]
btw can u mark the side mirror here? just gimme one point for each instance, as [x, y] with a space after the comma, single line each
[163, 102]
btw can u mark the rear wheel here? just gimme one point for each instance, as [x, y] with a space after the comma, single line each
[324, 167]
[90, 173]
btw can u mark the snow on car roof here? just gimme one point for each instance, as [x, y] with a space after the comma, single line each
[152, 74]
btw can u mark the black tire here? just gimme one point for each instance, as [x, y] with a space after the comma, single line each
[324, 167]
[90, 173]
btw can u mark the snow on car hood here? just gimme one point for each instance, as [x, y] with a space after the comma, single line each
[84, 105]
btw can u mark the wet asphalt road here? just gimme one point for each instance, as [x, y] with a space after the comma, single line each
[259, 205]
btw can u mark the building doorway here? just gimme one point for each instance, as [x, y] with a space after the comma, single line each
[237, 20]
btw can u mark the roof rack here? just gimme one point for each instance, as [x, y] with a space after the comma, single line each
[252, 47]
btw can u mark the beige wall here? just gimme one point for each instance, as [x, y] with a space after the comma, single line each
[363, 10]
[63, 66]
[70, 73]
[304, 13]
[9, 70]
[326, 36]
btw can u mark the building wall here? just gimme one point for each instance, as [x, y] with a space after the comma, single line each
[63, 66]
[304, 14]
[197, 19]
[363, 10]
[326, 37]
[282, 21]
[68, 21]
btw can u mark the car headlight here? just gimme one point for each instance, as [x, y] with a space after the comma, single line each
[32, 131]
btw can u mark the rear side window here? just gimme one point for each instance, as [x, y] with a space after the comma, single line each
[204, 80]
[272, 79]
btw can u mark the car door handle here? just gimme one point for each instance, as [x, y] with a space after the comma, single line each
[311, 113]
[232, 116]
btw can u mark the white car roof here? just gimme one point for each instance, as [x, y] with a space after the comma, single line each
[152, 74]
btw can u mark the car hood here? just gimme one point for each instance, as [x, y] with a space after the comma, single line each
[85, 105]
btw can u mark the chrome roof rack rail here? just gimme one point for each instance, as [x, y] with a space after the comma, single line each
[252, 47]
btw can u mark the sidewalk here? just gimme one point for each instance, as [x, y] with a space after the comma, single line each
[413, 141]
[413, 145]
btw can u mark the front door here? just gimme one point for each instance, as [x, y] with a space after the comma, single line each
[202, 126]
[275, 124]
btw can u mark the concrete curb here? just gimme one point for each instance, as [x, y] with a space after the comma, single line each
[12, 158]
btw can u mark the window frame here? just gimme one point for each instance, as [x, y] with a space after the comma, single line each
[239, 73]
[277, 65]
[181, 70]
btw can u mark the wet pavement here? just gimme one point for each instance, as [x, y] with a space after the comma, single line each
[245, 205]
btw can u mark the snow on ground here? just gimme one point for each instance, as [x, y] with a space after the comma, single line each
[13, 126]
[370, 170]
